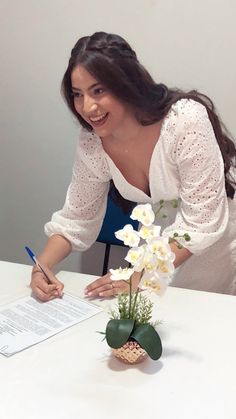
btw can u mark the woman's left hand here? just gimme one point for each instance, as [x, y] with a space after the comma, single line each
[105, 287]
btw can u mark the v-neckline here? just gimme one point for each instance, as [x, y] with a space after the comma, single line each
[109, 159]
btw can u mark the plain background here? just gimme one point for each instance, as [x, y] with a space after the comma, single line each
[182, 43]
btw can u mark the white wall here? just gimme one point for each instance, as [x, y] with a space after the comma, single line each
[183, 43]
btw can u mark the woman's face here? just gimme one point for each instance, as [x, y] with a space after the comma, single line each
[96, 105]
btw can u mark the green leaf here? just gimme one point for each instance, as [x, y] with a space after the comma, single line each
[118, 332]
[148, 338]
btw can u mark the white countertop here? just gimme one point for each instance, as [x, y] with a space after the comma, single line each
[73, 375]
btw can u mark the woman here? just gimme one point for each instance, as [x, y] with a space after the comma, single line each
[152, 143]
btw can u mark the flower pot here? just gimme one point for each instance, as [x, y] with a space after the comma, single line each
[130, 353]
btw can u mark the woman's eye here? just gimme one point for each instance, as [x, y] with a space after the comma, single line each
[76, 94]
[98, 90]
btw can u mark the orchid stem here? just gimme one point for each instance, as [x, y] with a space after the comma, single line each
[135, 298]
[130, 296]
[135, 301]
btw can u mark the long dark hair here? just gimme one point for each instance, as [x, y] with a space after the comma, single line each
[111, 61]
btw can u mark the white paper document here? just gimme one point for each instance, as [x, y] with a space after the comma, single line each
[28, 321]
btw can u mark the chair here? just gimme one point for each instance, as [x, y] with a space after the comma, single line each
[115, 219]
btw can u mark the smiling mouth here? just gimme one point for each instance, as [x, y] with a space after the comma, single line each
[98, 120]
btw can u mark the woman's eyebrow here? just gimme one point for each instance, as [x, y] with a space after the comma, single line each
[75, 88]
[90, 87]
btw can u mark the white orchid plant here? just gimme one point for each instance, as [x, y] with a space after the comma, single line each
[151, 255]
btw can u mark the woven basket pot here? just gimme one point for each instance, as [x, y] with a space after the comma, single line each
[130, 353]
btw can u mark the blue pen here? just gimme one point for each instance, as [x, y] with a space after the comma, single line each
[32, 256]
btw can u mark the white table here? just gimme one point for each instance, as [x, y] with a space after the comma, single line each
[73, 376]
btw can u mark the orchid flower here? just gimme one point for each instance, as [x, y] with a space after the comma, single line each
[135, 257]
[121, 274]
[144, 214]
[160, 247]
[149, 232]
[128, 235]
[154, 283]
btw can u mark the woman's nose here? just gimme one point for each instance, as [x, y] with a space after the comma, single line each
[89, 104]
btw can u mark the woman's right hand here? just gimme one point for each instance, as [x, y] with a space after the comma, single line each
[105, 287]
[40, 287]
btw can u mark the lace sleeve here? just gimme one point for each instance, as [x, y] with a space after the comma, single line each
[203, 211]
[81, 217]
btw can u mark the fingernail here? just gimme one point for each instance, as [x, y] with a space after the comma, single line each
[100, 294]
[89, 294]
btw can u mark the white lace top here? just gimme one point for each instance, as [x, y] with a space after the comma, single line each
[186, 164]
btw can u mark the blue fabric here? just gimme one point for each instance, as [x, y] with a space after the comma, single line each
[115, 219]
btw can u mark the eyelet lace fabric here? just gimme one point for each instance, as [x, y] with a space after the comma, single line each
[198, 170]
[81, 217]
[186, 164]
